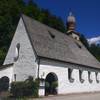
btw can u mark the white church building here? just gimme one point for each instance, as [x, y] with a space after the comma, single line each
[42, 52]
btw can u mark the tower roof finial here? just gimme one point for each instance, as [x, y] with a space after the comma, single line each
[71, 18]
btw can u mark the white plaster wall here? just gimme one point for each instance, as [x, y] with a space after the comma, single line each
[75, 36]
[7, 72]
[25, 66]
[41, 92]
[64, 86]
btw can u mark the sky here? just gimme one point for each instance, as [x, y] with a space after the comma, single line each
[87, 13]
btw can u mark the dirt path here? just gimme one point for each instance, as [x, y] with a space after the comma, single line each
[93, 96]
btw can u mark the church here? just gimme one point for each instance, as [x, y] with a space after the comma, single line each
[59, 60]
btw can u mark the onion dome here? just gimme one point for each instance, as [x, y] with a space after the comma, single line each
[71, 18]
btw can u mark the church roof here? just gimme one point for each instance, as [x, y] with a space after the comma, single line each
[50, 43]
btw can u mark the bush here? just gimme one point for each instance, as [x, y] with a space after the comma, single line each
[26, 88]
[55, 84]
[17, 89]
[47, 84]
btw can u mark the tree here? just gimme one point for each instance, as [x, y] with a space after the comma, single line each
[9, 16]
[32, 10]
[53, 21]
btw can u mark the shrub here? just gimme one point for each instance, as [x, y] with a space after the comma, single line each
[47, 84]
[17, 89]
[55, 84]
[26, 88]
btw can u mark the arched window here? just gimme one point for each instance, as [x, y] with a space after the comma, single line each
[96, 75]
[70, 75]
[4, 83]
[17, 52]
[90, 80]
[80, 76]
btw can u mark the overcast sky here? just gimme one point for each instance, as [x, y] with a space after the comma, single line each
[87, 13]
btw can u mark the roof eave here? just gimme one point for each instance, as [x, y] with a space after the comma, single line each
[86, 66]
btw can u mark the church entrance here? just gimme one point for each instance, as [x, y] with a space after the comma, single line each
[51, 84]
[4, 84]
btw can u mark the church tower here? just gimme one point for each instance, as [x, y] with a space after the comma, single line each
[71, 22]
[71, 25]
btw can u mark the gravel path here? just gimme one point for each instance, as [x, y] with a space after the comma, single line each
[93, 96]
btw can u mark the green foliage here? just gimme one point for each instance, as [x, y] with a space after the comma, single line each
[9, 16]
[26, 88]
[55, 84]
[53, 21]
[2, 55]
[47, 85]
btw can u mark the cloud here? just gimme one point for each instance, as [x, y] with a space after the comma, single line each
[94, 40]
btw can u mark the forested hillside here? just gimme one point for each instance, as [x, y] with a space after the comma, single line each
[10, 11]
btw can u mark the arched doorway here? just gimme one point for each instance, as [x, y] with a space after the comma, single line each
[51, 84]
[4, 84]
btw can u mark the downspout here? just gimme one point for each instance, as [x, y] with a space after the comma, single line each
[38, 68]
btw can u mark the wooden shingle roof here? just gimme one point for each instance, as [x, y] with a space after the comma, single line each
[50, 43]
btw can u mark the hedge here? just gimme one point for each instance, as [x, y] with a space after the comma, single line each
[26, 88]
